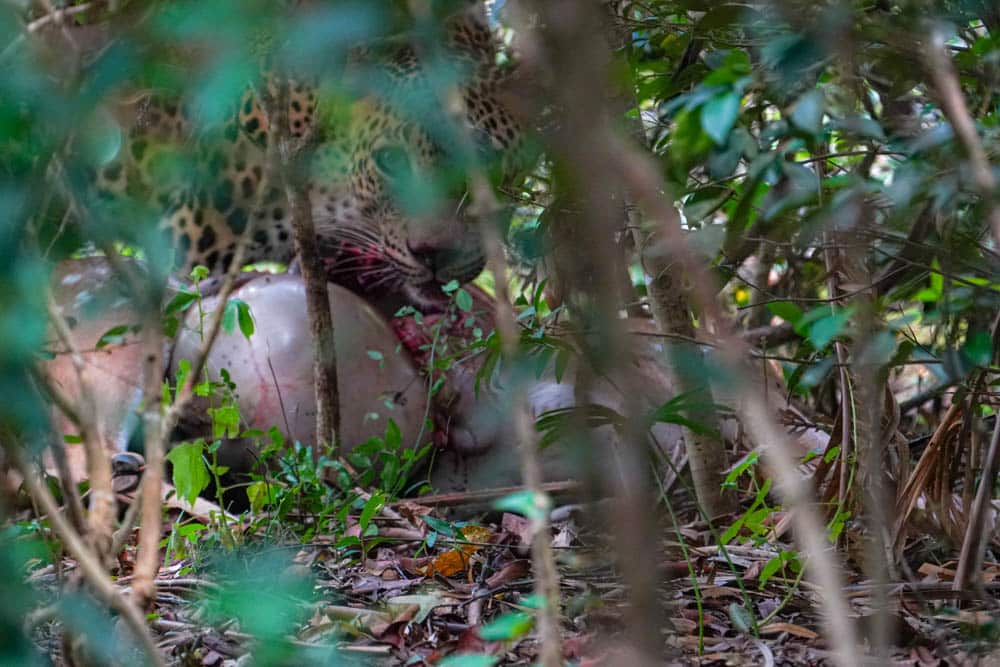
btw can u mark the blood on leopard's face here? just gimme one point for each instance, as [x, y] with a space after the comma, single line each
[360, 267]
[365, 269]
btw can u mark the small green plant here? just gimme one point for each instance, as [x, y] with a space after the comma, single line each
[386, 460]
[756, 523]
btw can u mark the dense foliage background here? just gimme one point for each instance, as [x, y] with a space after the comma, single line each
[827, 191]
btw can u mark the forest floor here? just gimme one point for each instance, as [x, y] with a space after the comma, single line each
[431, 589]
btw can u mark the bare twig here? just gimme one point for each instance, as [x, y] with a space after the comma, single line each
[148, 560]
[57, 16]
[74, 505]
[569, 48]
[90, 566]
[128, 522]
[671, 308]
[542, 561]
[103, 509]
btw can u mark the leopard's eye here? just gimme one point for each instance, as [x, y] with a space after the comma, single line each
[392, 161]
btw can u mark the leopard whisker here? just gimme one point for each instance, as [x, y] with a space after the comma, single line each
[390, 278]
[367, 237]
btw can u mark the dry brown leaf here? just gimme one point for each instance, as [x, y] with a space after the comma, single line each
[720, 592]
[790, 628]
[448, 564]
[512, 571]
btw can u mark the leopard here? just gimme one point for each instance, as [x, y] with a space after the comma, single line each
[371, 156]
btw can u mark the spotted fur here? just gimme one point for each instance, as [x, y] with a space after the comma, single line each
[213, 194]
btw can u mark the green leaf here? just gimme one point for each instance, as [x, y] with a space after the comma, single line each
[718, 116]
[825, 330]
[786, 310]
[978, 349]
[261, 494]
[181, 302]
[229, 316]
[533, 601]
[507, 627]
[114, 335]
[376, 355]
[245, 318]
[770, 568]
[748, 462]
[463, 300]
[720, 15]
[225, 421]
[372, 507]
[393, 436]
[190, 474]
[526, 503]
[70, 439]
[450, 287]
[808, 112]
[733, 530]
[238, 311]
[439, 526]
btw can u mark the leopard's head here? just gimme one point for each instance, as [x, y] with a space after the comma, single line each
[389, 138]
[388, 182]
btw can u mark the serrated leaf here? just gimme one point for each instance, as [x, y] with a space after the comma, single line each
[190, 474]
[225, 421]
[261, 494]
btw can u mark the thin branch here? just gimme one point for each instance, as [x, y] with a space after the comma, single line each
[949, 93]
[974, 545]
[284, 169]
[483, 211]
[57, 16]
[644, 180]
[90, 566]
